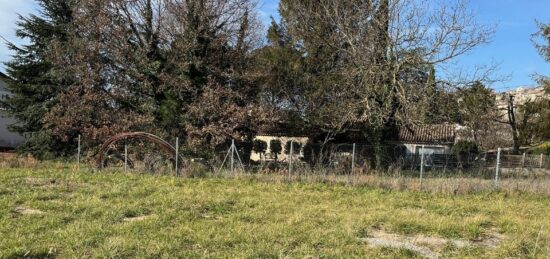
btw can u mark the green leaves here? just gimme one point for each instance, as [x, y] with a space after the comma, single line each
[37, 81]
[275, 147]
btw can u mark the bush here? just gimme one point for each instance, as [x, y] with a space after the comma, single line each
[275, 147]
[464, 147]
[464, 150]
[296, 146]
[259, 146]
[194, 169]
[311, 153]
[543, 149]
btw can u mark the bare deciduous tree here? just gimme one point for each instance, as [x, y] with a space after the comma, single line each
[369, 60]
[163, 66]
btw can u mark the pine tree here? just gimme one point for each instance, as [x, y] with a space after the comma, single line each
[542, 43]
[539, 127]
[37, 81]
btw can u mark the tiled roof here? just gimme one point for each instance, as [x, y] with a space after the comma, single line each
[428, 134]
[279, 130]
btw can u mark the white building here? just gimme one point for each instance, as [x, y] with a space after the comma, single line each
[282, 156]
[8, 139]
[436, 139]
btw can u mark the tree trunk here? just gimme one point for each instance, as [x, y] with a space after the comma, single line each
[513, 125]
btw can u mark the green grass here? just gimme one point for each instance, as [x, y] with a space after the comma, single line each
[86, 215]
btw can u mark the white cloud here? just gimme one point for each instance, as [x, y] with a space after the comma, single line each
[9, 13]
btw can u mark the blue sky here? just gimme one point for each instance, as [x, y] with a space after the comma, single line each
[511, 46]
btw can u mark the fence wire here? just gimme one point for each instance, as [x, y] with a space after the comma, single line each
[345, 162]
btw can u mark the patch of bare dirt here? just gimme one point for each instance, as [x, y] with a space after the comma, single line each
[46, 183]
[28, 211]
[137, 218]
[425, 245]
[424, 251]
[39, 182]
[493, 240]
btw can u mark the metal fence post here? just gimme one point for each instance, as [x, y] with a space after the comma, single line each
[239, 158]
[421, 165]
[523, 160]
[125, 155]
[177, 154]
[78, 153]
[353, 159]
[497, 166]
[232, 155]
[290, 160]
[541, 157]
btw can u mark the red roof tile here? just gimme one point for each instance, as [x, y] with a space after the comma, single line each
[429, 134]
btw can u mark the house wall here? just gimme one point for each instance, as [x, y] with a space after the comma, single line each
[3, 91]
[414, 148]
[8, 139]
[281, 156]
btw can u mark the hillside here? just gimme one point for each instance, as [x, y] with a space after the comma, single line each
[522, 95]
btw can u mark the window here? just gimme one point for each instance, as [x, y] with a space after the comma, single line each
[2, 98]
[430, 150]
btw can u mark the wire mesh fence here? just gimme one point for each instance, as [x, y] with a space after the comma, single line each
[354, 163]
[366, 159]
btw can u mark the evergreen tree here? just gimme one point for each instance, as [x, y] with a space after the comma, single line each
[542, 43]
[36, 80]
[535, 115]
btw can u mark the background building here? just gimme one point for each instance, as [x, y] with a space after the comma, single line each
[431, 139]
[8, 139]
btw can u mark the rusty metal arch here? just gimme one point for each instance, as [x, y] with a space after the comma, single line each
[164, 145]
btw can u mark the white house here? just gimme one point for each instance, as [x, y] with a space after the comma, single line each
[282, 156]
[8, 139]
[436, 139]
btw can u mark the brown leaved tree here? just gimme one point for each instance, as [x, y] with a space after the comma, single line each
[173, 68]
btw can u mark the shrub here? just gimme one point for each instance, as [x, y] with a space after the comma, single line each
[296, 146]
[465, 147]
[194, 169]
[311, 153]
[543, 148]
[463, 150]
[275, 147]
[259, 146]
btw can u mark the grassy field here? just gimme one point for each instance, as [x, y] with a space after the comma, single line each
[62, 213]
